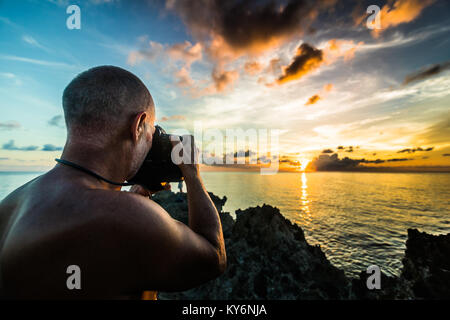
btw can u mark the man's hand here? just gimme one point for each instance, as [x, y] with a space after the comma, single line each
[144, 192]
[191, 168]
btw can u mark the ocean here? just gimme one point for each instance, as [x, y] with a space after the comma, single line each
[358, 219]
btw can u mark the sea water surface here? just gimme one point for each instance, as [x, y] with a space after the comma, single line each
[358, 219]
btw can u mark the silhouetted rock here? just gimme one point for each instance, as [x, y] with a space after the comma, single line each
[425, 273]
[426, 265]
[269, 258]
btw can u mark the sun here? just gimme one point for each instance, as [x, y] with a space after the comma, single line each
[303, 164]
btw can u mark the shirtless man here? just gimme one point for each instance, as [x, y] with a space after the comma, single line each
[123, 242]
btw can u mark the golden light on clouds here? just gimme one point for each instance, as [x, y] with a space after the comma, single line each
[338, 48]
[306, 59]
[312, 100]
[315, 98]
[253, 68]
[400, 11]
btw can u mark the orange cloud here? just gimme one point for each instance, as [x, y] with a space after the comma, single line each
[183, 78]
[312, 100]
[185, 52]
[328, 87]
[336, 48]
[221, 80]
[401, 11]
[224, 78]
[305, 60]
[308, 58]
[173, 118]
[315, 98]
[253, 68]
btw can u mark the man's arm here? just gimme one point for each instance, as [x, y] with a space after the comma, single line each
[163, 253]
[203, 216]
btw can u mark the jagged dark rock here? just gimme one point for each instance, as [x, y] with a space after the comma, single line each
[269, 258]
[426, 265]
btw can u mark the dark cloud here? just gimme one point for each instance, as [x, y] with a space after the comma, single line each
[9, 125]
[427, 72]
[247, 25]
[399, 159]
[446, 154]
[288, 160]
[50, 147]
[11, 146]
[306, 59]
[242, 153]
[332, 162]
[56, 121]
[327, 151]
[412, 150]
[349, 148]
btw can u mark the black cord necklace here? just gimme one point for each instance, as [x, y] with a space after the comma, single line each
[76, 166]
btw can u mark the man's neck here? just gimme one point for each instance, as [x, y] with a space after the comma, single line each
[108, 162]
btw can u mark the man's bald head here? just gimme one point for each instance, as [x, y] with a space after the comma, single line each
[102, 98]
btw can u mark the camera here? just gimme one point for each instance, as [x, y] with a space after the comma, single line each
[158, 166]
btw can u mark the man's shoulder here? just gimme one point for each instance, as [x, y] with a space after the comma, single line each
[124, 209]
[15, 197]
[110, 201]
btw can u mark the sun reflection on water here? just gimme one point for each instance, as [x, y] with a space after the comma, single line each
[304, 196]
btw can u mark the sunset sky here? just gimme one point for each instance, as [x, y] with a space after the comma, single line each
[309, 68]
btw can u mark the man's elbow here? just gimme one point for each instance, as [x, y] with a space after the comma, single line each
[222, 263]
[218, 264]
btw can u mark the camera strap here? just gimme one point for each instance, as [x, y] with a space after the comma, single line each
[78, 167]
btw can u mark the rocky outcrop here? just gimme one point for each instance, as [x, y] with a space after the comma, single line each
[269, 258]
[425, 273]
[426, 265]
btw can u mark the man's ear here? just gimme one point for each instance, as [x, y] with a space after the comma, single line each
[138, 127]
